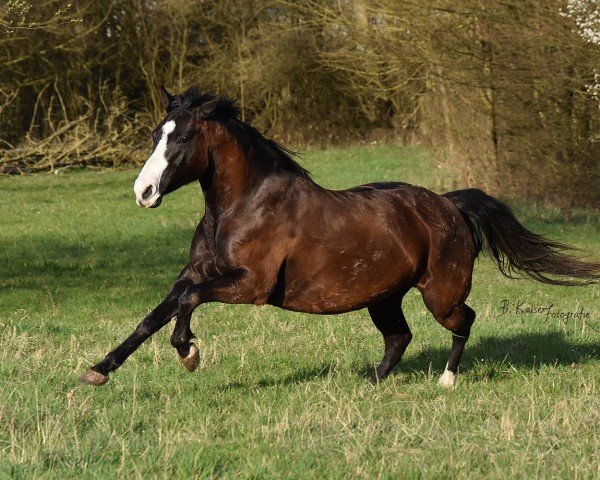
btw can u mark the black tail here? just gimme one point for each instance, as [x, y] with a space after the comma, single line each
[514, 248]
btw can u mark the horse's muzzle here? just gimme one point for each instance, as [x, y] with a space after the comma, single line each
[147, 196]
[151, 202]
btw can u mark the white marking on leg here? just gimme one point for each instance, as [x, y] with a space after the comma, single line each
[193, 351]
[448, 378]
[192, 360]
[153, 169]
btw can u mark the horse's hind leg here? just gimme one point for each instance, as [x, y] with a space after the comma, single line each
[389, 319]
[461, 329]
[448, 308]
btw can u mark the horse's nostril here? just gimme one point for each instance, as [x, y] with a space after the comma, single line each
[148, 192]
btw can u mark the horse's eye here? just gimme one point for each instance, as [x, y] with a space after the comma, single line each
[185, 138]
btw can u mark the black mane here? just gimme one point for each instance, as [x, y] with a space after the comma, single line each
[256, 145]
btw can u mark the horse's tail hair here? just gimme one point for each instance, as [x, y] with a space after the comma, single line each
[514, 248]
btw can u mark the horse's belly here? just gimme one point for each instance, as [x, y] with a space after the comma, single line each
[334, 283]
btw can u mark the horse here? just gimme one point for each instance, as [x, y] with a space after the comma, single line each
[271, 235]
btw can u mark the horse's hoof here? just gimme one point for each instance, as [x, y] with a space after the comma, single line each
[448, 379]
[376, 378]
[192, 360]
[92, 377]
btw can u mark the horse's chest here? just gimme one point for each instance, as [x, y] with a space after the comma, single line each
[217, 255]
[209, 256]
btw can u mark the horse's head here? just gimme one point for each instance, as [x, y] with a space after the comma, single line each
[180, 153]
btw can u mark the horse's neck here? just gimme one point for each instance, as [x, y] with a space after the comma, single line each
[231, 178]
[235, 176]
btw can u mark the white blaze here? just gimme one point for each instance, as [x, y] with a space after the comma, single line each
[153, 169]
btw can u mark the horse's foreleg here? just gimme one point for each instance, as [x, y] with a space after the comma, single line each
[154, 321]
[234, 287]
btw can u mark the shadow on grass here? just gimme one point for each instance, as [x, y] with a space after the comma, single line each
[38, 260]
[299, 376]
[484, 358]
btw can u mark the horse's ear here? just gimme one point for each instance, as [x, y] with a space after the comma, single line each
[166, 97]
[208, 109]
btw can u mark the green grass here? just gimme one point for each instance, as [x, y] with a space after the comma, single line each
[278, 394]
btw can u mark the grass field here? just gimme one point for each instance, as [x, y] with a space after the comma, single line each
[278, 394]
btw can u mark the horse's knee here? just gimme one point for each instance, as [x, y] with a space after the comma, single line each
[189, 299]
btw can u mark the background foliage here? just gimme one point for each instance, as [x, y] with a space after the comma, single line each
[507, 93]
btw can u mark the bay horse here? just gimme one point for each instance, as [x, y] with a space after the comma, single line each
[271, 235]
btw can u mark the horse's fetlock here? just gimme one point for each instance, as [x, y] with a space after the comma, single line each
[178, 341]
